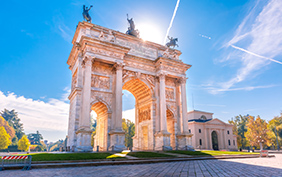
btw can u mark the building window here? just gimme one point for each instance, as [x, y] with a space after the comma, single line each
[234, 142]
[203, 117]
[228, 132]
[200, 131]
[229, 142]
[200, 142]
[189, 130]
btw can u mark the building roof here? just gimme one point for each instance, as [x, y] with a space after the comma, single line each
[199, 120]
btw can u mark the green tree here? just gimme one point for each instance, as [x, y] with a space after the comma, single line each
[129, 128]
[4, 138]
[276, 122]
[240, 128]
[256, 131]
[14, 121]
[23, 144]
[35, 138]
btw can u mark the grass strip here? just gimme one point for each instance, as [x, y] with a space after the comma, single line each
[211, 153]
[71, 156]
[148, 154]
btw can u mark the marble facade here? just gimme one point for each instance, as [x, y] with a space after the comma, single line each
[104, 62]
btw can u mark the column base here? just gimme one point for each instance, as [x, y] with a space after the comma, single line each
[162, 141]
[184, 141]
[117, 141]
[83, 140]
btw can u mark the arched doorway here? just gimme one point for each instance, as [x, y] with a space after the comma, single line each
[143, 112]
[214, 140]
[101, 137]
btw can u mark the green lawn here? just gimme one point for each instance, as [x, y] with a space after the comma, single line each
[71, 156]
[211, 153]
[148, 154]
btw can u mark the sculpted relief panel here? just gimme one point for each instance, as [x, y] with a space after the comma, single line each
[144, 114]
[102, 82]
[102, 69]
[169, 93]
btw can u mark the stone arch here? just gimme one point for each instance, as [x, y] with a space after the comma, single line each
[142, 92]
[101, 138]
[97, 100]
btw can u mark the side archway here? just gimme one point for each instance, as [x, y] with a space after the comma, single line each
[101, 138]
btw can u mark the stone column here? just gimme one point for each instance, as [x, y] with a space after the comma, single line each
[223, 138]
[84, 131]
[118, 95]
[163, 118]
[162, 138]
[185, 137]
[117, 135]
[184, 106]
[178, 104]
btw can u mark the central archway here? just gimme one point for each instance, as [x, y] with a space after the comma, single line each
[214, 140]
[143, 139]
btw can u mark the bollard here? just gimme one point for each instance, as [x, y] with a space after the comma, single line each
[97, 148]
[163, 148]
[113, 148]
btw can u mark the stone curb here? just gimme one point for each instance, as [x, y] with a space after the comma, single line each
[127, 162]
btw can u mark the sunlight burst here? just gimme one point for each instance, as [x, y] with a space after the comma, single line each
[149, 32]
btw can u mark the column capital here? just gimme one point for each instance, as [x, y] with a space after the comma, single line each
[182, 80]
[87, 61]
[161, 75]
[119, 65]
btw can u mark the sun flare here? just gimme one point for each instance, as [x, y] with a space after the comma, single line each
[149, 32]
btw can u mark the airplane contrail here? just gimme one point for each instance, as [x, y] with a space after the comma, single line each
[171, 21]
[249, 52]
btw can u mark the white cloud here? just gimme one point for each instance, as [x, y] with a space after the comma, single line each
[129, 114]
[259, 36]
[51, 116]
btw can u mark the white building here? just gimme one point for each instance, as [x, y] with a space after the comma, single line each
[210, 133]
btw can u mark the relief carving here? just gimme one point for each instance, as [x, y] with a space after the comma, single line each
[103, 97]
[144, 114]
[169, 93]
[104, 52]
[102, 69]
[100, 82]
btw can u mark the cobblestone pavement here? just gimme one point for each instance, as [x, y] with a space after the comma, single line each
[226, 167]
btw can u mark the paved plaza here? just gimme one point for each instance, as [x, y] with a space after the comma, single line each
[225, 167]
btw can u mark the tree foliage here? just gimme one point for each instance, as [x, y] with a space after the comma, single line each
[4, 138]
[240, 128]
[10, 130]
[14, 121]
[275, 123]
[35, 138]
[129, 128]
[23, 143]
[56, 146]
[257, 131]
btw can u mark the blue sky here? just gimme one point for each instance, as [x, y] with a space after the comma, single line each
[234, 47]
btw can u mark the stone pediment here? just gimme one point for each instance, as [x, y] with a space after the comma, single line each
[217, 122]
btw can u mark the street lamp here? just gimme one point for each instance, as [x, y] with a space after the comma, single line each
[260, 141]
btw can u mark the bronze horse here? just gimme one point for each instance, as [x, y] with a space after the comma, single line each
[172, 42]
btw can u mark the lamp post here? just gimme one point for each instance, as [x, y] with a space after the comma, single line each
[260, 141]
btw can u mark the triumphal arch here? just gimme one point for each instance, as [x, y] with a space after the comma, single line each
[104, 62]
